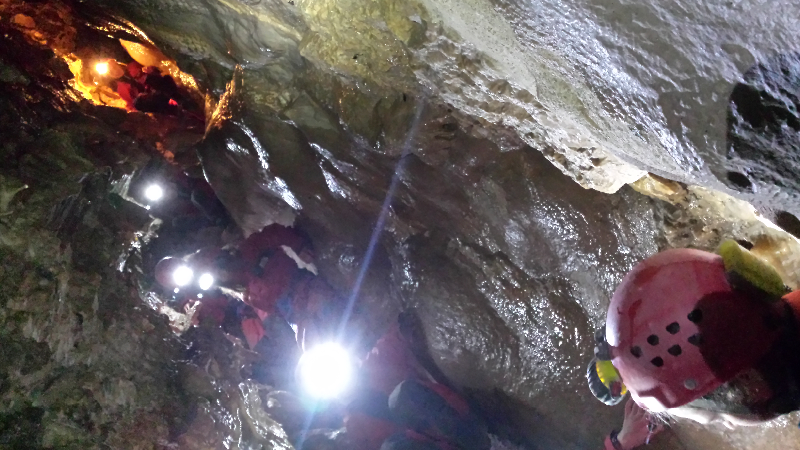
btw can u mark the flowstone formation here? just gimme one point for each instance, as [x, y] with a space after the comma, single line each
[317, 113]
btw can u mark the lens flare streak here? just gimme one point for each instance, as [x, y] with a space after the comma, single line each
[381, 222]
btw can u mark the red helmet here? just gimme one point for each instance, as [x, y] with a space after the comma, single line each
[165, 270]
[677, 330]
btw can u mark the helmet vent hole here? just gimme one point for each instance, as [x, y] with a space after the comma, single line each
[673, 328]
[636, 351]
[696, 339]
[657, 361]
[695, 316]
[652, 339]
[675, 350]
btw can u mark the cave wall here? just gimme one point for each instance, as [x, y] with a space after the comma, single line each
[85, 362]
[333, 107]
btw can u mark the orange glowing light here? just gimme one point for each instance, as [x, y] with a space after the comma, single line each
[101, 68]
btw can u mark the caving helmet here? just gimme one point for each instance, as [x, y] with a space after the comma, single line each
[222, 264]
[677, 330]
[109, 68]
[170, 272]
[207, 262]
[205, 259]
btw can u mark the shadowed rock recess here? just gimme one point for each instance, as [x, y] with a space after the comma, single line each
[535, 152]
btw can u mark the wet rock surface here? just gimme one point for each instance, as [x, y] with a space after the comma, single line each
[335, 107]
[85, 362]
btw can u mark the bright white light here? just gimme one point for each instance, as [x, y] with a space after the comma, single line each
[176, 290]
[101, 68]
[199, 295]
[154, 192]
[205, 281]
[182, 276]
[326, 370]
